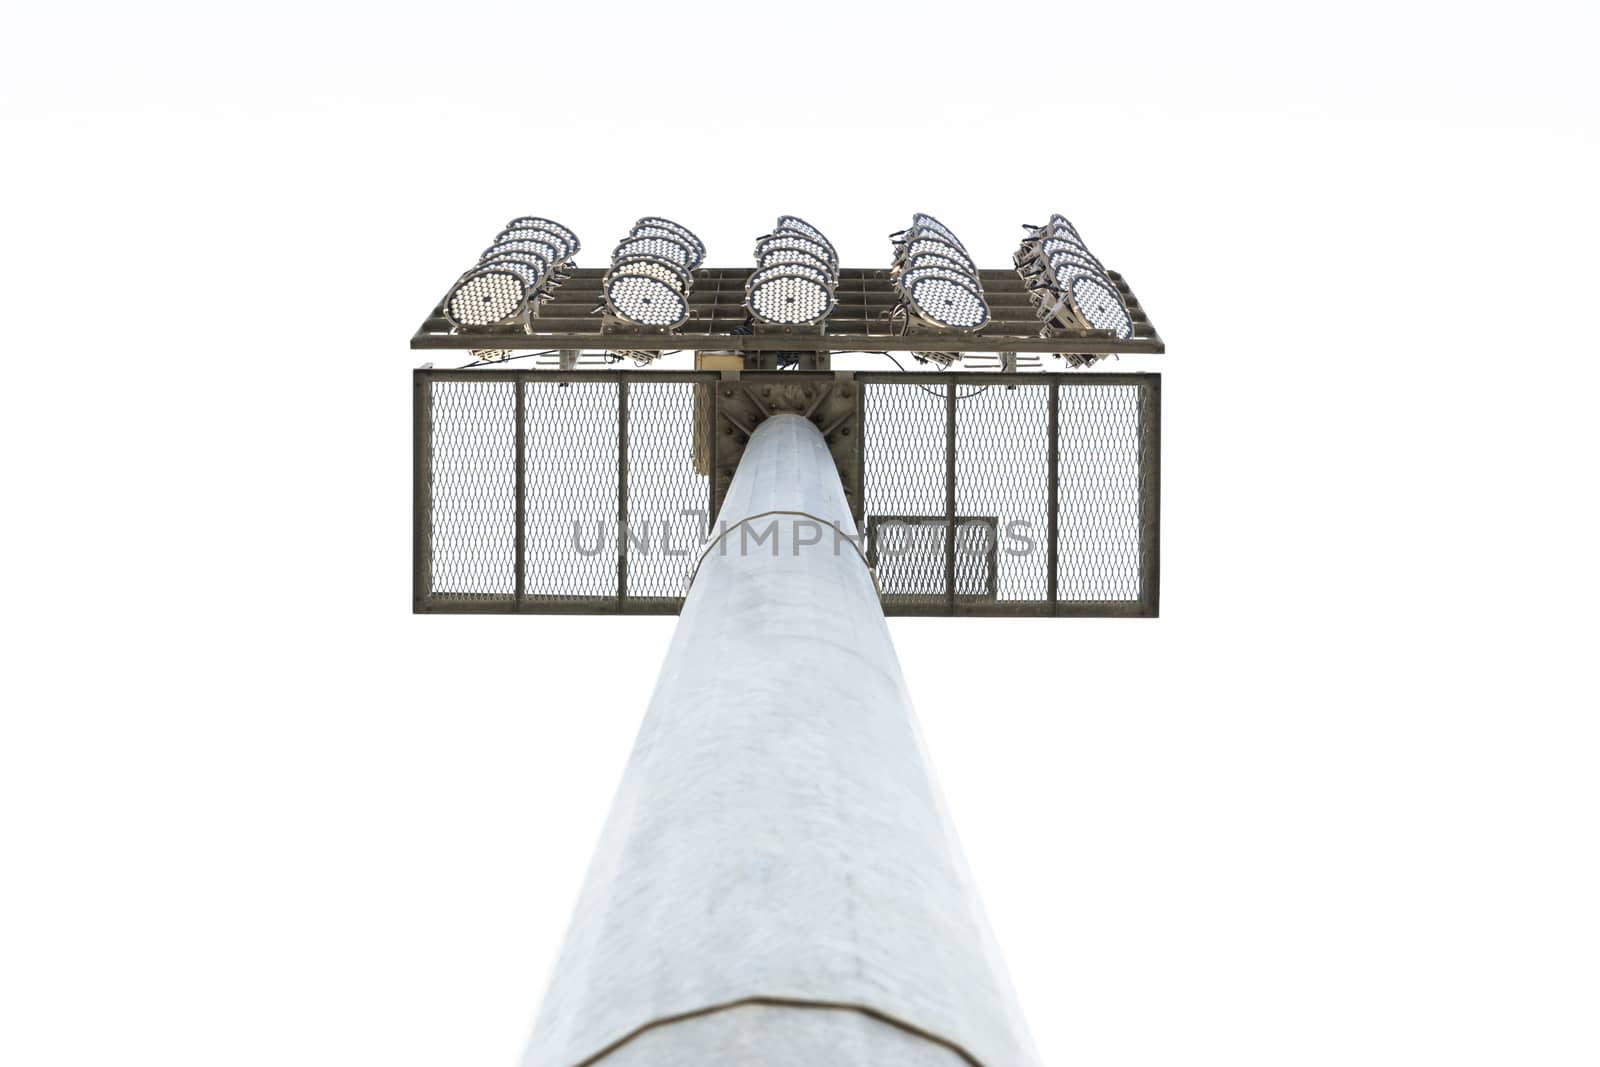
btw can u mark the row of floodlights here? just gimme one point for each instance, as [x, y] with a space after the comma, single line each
[527, 260]
[797, 271]
[1067, 284]
[796, 275]
[935, 277]
[652, 272]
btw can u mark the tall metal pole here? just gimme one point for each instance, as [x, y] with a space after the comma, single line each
[778, 883]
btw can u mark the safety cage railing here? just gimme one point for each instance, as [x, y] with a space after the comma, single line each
[555, 492]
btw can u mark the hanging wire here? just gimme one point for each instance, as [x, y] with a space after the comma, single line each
[928, 389]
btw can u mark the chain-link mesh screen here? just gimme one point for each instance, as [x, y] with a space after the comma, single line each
[1003, 469]
[667, 498]
[570, 491]
[580, 549]
[908, 558]
[1099, 498]
[617, 472]
[903, 475]
[474, 474]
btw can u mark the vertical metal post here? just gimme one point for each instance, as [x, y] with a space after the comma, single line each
[421, 491]
[860, 451]
[1150, 494]
[713, 428]
[777, 875]
[1052, 520]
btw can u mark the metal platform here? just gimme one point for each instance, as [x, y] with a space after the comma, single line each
[862, 322]
[556, 492]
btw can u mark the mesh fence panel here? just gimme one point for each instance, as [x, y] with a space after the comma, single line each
[571, 490]
[667, 497]
[590, 440]
[908, 558]
[1098, 507]
[473, 504]
[1003, 470]
[1002, 477]
[903, 477]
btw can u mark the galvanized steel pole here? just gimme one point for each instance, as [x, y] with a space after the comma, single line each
[778, 883]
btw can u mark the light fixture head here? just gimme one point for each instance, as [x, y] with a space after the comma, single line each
[1099, 305]
[922, 244]
[809, 269]
[789, 294]
[776, 256]
[487, 296]
[696, 255]
[938, 259]
[661, 247]
[561, 249]
[568, 239]
[1064, 267]
[674, 274]
[645, 299]
[544, 249]
[685, 235]
[945, 298]
[796, 242]
[825, 250]
[796, 224]
[526, 265]
[927, 223]
[1058, 226]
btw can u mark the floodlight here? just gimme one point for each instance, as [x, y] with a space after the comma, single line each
[533, 251]
[645, 299]
[796, 224]
[822, 274]
[530, 222]
[486, 296]
[674, 274]
[563, 248]
[944, 298]
[661, 247]
[825, 250]
[1098, 303]
[1063, 269]
[806, 232]
[775, 256]
[525, 265]
[524, 259]
[1058, 226]
[546, 250]
[796, 242]
[1064, 263]
[696, 254]
[685, 235]
[1059, 268]
[917, 246]
[1050, 246]
[783, 294]
[938, 259]
[921, 221]
[1068, 282]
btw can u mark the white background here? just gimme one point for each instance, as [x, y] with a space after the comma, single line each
[1338, 805]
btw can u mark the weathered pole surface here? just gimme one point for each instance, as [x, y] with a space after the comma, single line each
[778, 883]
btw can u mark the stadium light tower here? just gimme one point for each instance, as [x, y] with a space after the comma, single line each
[778, 883]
